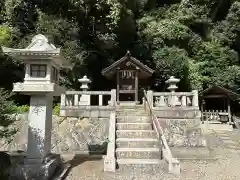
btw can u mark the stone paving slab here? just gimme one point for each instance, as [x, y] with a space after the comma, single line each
[225, 168]
[192, 153]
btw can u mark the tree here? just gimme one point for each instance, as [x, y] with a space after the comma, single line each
[7, 118]
[196, 40]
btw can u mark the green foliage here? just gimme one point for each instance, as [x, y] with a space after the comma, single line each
[6, 115]
[21, 109]
[5, 34]
[170, 60]
[195, 40]
[56, 109]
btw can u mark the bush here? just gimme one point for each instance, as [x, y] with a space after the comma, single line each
[7, 108]
[22, 109]
[56, 109]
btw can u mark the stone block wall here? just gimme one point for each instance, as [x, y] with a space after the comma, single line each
[183, 132]
[181, 127]
[77, 135]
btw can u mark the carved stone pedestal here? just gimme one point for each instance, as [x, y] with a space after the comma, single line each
[37, 171]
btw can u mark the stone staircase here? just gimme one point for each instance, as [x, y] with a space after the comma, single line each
[136, 141]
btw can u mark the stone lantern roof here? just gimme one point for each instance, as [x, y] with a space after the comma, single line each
[38, 49]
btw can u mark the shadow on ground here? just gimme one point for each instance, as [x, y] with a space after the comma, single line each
[81, 158]
[78, 159]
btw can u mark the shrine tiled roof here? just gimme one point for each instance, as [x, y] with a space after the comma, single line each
[128, 57]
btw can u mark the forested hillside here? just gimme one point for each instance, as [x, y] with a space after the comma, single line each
[195, 40]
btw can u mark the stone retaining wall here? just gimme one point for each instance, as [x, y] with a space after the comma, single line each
[78, 135]
[183, 132]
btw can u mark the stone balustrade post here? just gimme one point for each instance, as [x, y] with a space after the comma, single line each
[195, 98]
[184, 101]
[63, 100]
[150, 98]
[69, 100]
[161, 101]
[63, 103]
[113, 97]
[100, 99]
[172, 99]
[76, 100]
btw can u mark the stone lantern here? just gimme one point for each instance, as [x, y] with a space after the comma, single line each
[42, 64]
[85, 99]
[173, 100]
[84, 81]
[172, 81]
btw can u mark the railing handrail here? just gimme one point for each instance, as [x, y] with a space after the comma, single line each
[153, 117]
[88, 92]
[173, 93]
[171, 161]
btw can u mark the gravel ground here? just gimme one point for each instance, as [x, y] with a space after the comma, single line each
[226, 147]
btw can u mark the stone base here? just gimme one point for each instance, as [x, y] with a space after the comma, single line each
[109, 164]
[206, 126]
[37, 171]
[193, 153]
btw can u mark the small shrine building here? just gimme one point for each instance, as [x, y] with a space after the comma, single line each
[128, 72]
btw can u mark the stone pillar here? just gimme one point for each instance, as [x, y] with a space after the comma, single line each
[195, 98]
[39, 128]
[110, 159]
[136, 87]
[76, 100]
[62, 104]
[100, 99]
[118, 87]
[63, 100]
[113, 97]
[229, 111]
[150, 98]
[184, 101]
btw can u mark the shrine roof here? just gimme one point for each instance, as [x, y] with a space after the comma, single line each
[218, 90]
[108, 71]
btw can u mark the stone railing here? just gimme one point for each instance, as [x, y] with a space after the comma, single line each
[74, 101]
[173, 163]
[83, 98]
[173, 99]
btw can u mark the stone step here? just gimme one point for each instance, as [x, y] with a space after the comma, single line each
[136, 134]
[140, 161]
[141, 166]
[132, 119]
[138, 153]
[137, 143]
[134, 113]
[139, 126]
[128, 106]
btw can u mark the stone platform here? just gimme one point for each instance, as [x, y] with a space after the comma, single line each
[208, 126]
